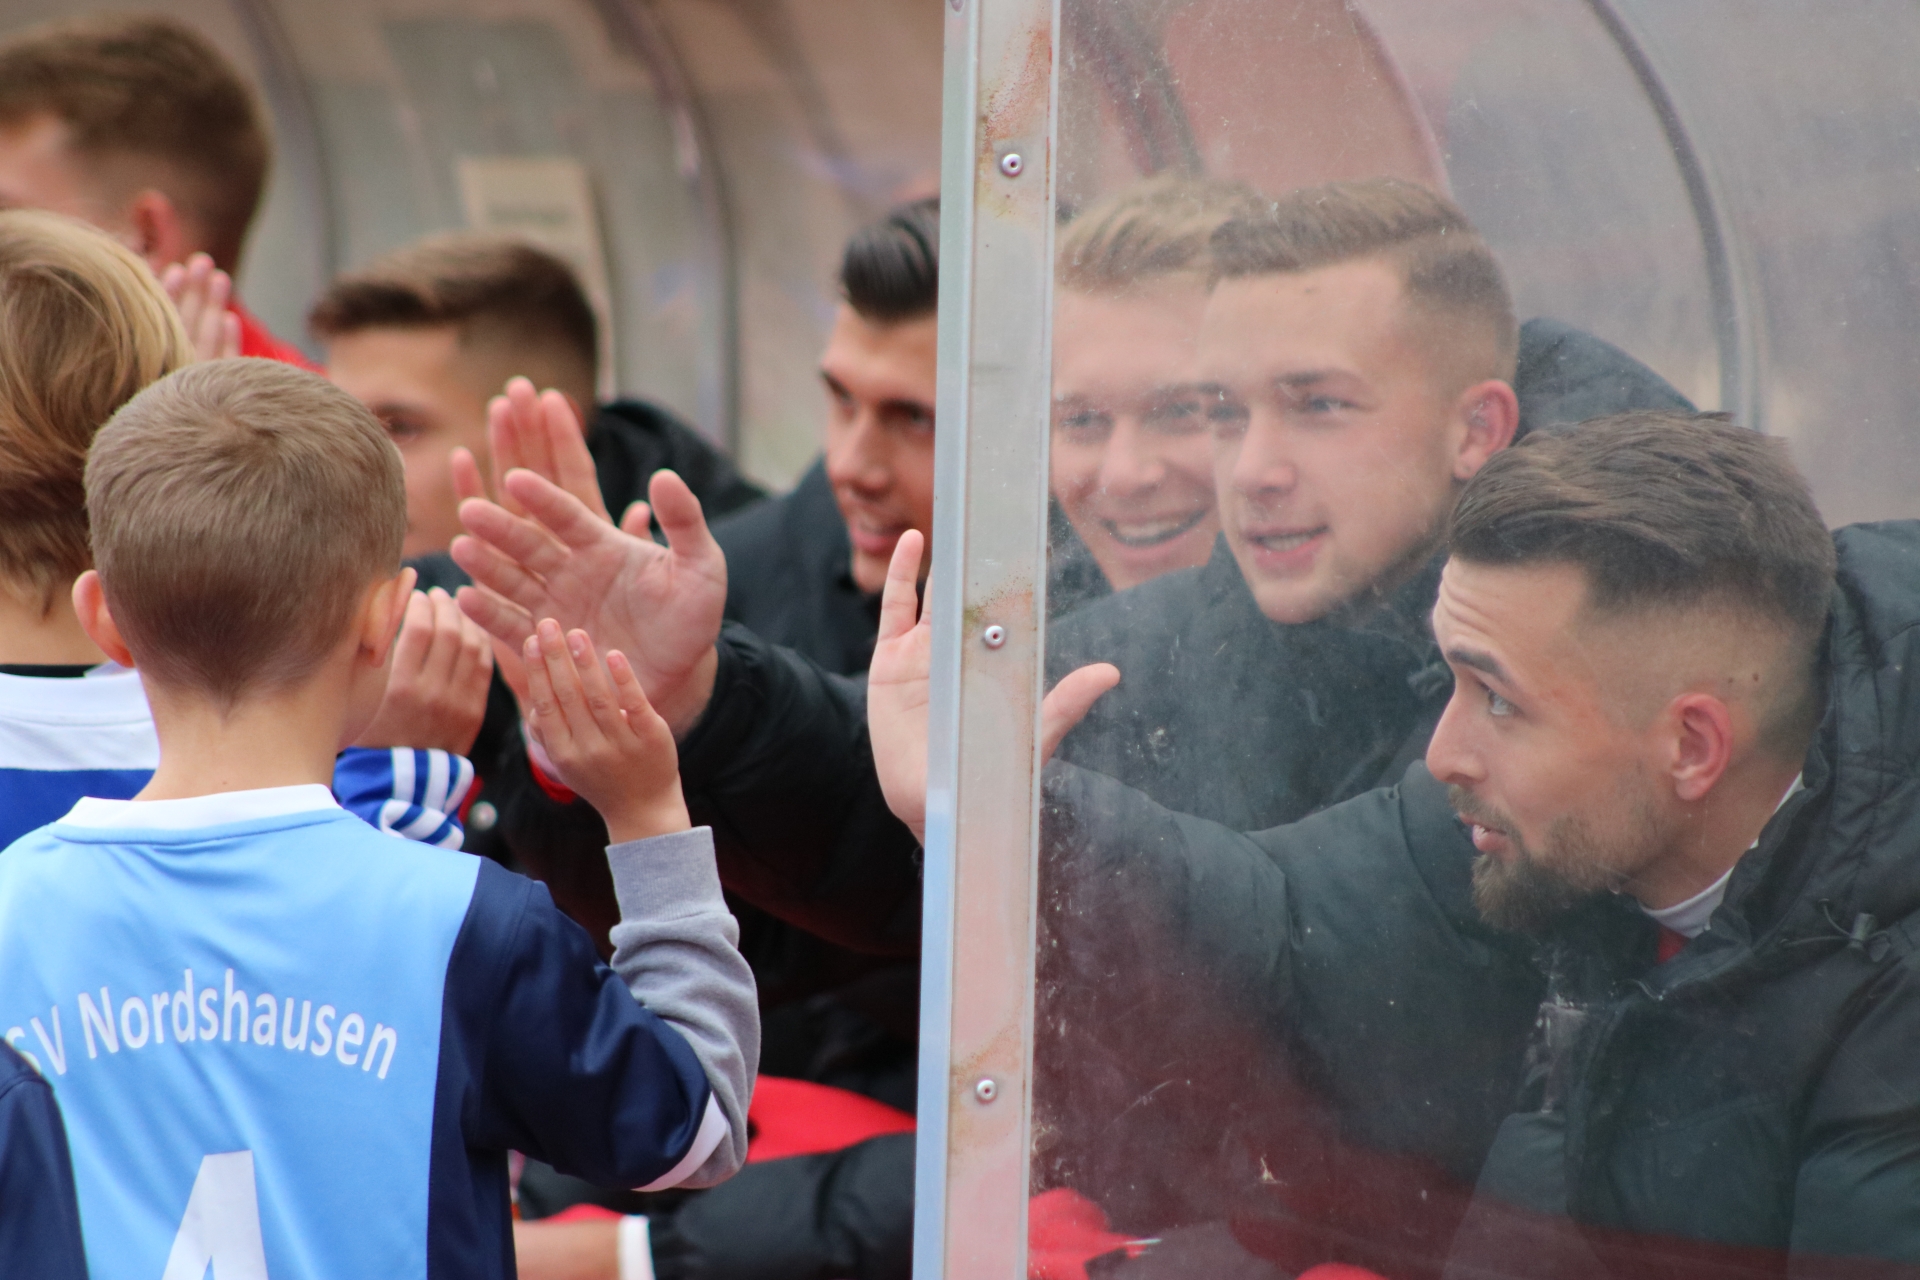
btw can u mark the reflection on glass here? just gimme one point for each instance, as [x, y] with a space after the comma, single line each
[1455, 1008]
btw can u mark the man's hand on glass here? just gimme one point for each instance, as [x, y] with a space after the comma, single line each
[897, 683]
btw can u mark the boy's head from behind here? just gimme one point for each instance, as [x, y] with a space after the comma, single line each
[83, 326]
[246, 516]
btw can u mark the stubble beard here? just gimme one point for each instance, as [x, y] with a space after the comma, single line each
[1530, 891]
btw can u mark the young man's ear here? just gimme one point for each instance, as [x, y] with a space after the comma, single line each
[159, 231]
[1491, 414]
[90, 603]
[381, 614]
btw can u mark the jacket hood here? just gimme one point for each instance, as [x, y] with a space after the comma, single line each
[1841, 861]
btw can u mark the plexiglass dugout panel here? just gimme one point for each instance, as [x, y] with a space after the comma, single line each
[1304, 269]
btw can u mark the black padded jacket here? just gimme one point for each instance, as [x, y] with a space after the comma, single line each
[1392, 1067]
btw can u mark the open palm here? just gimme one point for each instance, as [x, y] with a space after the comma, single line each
[660, 606]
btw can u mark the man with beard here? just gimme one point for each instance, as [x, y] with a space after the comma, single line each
[1649, 994]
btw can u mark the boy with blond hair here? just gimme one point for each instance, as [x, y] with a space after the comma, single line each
[83, 326]
[258, 1016]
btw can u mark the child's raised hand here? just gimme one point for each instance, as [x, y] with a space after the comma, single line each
[602, 736]
[437, 684]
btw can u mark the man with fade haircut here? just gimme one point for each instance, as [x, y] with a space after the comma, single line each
[258, 1019]
[428, 336]
[137, 124]
[1357, 362]
[1619, 980]
[805, 570]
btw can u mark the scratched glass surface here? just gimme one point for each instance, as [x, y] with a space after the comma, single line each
[1243, 1064]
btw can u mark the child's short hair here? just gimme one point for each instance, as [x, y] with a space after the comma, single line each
[240, 509]
[83, 326]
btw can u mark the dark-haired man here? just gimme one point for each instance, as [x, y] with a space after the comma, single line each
[137, 124]
[805, 570]
[1624, 972]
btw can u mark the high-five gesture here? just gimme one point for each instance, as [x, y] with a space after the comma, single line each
[897, 684]
[660, 606]
[593, 721]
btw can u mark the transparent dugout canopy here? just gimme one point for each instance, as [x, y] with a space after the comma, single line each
[1707, 201]
[701, 163]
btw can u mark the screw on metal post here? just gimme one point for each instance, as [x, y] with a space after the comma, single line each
[994, 636]
[986, 1090]
[1011, 164]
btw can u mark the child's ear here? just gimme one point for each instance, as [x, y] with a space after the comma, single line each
[90, 603]
[382, 614]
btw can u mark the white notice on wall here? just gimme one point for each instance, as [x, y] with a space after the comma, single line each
[547, 200]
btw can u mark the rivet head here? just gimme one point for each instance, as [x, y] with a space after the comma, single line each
[994, 636]
[986, 1090]
[1011, 164]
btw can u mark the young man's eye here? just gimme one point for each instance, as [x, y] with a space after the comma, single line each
[1499, 706]
[915, 420]
[1227, 420]
[1083, 425]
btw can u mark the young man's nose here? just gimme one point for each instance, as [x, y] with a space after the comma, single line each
[1263, 464]
[858, 456]
[1130, 461]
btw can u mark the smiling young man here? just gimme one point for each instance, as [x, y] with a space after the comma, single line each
[427, 335]
[1131, 463]
[1357, 362]
[805, 570]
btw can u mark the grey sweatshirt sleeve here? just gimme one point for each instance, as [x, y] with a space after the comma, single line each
[676, 948]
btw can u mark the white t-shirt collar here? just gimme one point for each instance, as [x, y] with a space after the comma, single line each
[199, 811]
[1689, 918]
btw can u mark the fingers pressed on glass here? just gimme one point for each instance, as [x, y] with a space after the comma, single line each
[464, 470]
[899, 600]
[530, 541]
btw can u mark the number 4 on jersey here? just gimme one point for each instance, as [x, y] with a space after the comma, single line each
[222, 1224]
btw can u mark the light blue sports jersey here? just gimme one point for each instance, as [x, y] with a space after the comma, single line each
[242, 1024]
[61, 739]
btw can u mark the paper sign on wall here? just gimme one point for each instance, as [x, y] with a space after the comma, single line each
[547, 200]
